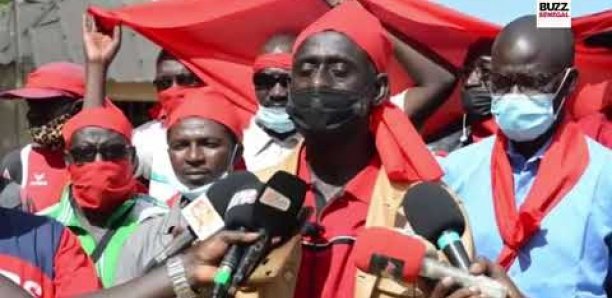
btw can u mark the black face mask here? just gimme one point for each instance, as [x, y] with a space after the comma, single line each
[476, 103]
[325, 110]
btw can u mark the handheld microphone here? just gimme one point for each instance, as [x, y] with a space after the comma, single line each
[204, 215]
[434, 215]
[388, 253]
[240, 201]
[276, 214]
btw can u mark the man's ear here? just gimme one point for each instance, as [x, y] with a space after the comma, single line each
[67, 158]
[572, 78]
[77, 106]
[238, 155]
[382, 89]
[133, 158]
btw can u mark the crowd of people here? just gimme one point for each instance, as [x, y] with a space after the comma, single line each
[91, 201]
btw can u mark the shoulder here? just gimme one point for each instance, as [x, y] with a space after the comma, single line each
[19, 224]
[469, 153]
[146, 207]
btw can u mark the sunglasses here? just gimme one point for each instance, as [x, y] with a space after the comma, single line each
[536, 83]
[112, 152]
[185, 80]
[268, 81]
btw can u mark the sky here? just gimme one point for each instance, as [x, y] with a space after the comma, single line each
[502, 12]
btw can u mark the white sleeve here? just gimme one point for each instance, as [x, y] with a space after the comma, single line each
[145, 149]
[398, 99]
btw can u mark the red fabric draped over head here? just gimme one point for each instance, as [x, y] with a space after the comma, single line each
[273, 60]
[107, 117]
[217, 40]
[401, 149]
[449, 35]
[206, 103]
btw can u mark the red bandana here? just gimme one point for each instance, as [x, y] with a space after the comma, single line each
[561, 167]
[108, 117]
[274, 60]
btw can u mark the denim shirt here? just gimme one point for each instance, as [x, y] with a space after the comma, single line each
[570, 255]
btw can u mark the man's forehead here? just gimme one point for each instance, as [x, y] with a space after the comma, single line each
[98, 135]
[196, 126]
[330, 44]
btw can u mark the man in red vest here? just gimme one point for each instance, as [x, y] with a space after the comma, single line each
[35, 174]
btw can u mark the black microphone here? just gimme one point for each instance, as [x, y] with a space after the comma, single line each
[218, 195]
[237, 217]
[434, 215]
[276, 214]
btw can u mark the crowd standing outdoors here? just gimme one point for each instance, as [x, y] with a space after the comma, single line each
[92, 201]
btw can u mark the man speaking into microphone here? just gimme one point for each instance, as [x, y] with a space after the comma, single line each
[360, 153]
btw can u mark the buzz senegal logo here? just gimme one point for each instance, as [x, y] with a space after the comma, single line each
[554, 10]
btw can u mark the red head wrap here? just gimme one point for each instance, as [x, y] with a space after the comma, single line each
[401, 149]
[107, 117]
[207, 103]
[273, 60]
[357, 24]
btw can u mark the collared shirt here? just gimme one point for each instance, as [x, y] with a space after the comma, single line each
[524, 171]
[125, 219]
[148, 240]
[262, 151]
[569, 256]
[327, 268]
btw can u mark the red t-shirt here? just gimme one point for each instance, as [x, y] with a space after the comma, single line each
[327, 268]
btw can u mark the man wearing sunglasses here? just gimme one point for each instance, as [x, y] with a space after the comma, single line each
[150, 138]
[101, 204]
[537, 193]
[272, 135]
[36, 173]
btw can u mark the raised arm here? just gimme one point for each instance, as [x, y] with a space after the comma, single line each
[433, 83]
[99, 51]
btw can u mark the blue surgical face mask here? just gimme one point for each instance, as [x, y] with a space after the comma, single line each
[275, 119]
[523, 117]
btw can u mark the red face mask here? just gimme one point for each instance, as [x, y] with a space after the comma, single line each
[102, 186]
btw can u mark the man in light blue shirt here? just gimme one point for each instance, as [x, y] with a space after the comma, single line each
[539, 192]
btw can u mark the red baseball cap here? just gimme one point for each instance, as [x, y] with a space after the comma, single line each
[56, 79]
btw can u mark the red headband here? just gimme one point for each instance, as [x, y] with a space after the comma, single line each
[400, 147]
[207, 103]
[107, 117]
[356, 23]
[274, 60]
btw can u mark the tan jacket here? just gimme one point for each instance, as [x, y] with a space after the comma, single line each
[385, 210]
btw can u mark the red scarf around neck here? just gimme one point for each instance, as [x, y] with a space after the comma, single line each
[560, 168]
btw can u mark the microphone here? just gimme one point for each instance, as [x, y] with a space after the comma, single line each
[388, 253]
[434, 215]
[203, 215]
[276, 214]
[239, 203]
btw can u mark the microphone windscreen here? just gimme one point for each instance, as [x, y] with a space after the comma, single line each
[235, 189]
[388, 253]
[279, 203]
[431, 210]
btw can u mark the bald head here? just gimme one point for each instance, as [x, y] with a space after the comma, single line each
[521, 47]
[279, 43]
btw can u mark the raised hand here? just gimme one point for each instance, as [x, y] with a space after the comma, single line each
[100, 48]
